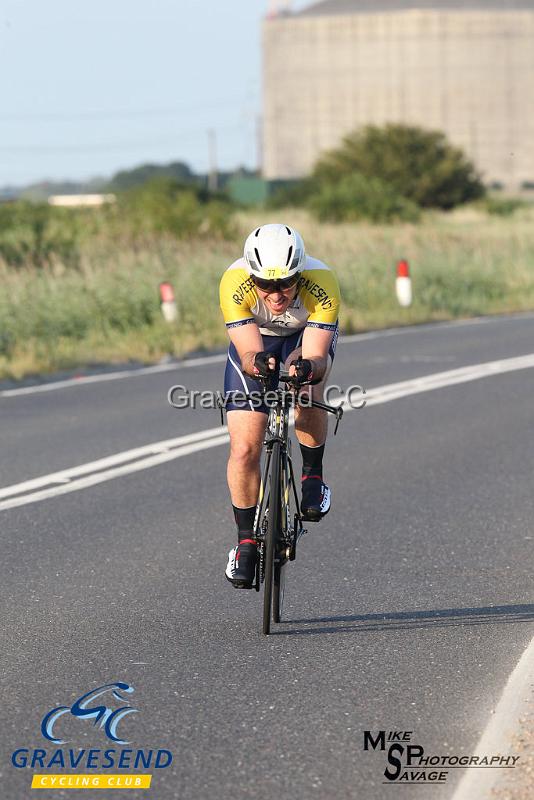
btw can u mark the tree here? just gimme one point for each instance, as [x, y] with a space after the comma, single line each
[127, 179]
[419, 165]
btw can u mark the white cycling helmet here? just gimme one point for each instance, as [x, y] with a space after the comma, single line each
[274, 252]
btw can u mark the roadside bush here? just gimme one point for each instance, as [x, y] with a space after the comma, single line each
[36, 233]
[164, 205]
[292, 194]
[356, 198]
[418, 164]
[502, 206]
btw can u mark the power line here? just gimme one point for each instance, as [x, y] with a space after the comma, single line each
[109, 146]
[120, 113]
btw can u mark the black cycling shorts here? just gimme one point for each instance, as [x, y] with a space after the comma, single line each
[237, 383]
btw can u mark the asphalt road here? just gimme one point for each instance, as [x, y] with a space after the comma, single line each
[407, 609]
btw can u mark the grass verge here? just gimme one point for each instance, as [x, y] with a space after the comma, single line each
[106, 307]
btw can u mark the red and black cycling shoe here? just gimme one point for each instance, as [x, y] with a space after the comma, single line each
[316, 498]
[241, 567]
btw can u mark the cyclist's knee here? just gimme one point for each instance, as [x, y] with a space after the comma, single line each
[246, 439]
[245, 452]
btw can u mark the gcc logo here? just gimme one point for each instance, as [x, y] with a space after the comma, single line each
[107, 717]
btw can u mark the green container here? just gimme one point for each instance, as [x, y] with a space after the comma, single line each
[248, 191]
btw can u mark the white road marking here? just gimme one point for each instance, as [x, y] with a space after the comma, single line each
[439, 380]
[429, 326]
[85, 380]
[116, 472]
[157, 453]
[497, 739]
[147, 451]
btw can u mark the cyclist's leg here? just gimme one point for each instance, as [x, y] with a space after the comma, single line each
[247, 431]
[246, 425]
[311, 426]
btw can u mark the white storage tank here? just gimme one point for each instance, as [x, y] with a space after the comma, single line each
[465, 67]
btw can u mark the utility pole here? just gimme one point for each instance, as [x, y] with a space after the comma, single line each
[259, 144]
[213, 182]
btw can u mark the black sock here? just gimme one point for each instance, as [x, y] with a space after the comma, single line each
[312, 461]
[244, 519]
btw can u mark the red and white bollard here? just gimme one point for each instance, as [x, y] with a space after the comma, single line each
[403, 284]
[168, 303]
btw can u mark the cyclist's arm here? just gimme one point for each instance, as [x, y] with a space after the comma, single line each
[248, 342]
[315, 345]
[322, 301]
[237, 296]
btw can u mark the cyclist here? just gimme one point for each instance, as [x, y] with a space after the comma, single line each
[280, 306]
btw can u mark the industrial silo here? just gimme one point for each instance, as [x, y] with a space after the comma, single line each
[465, 67]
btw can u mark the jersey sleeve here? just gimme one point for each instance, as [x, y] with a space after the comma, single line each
[320, 294]
[237, 296]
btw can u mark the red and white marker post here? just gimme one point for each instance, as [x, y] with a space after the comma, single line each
[168, 302]
[403, 284]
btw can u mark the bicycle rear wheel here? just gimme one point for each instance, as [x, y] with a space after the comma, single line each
[273, 534]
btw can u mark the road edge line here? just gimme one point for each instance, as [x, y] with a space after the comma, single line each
[503, 725]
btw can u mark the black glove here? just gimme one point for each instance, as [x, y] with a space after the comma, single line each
[261, 364]
[303, 371]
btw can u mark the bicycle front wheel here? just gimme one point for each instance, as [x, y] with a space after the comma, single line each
[280, 556]
[273, 535]
[279, 580]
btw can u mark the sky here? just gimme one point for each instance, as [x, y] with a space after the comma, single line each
[88, 88]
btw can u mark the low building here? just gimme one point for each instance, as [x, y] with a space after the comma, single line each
[73, 200]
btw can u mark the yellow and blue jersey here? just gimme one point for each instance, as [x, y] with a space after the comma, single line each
[316, 303]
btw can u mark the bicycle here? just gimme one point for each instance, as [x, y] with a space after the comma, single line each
[278, 528]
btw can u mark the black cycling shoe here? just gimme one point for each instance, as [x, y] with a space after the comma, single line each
[315, 499]
[241, 567]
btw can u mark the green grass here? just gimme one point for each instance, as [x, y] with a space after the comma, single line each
[103, 306]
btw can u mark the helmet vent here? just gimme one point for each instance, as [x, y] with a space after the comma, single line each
[288, 230]
[258, 256]
[257, 232]
[298, 256]
[289, 255]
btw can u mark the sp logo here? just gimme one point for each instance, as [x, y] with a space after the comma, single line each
[103, 715]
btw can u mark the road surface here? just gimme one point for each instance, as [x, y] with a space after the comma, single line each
[407, 609]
